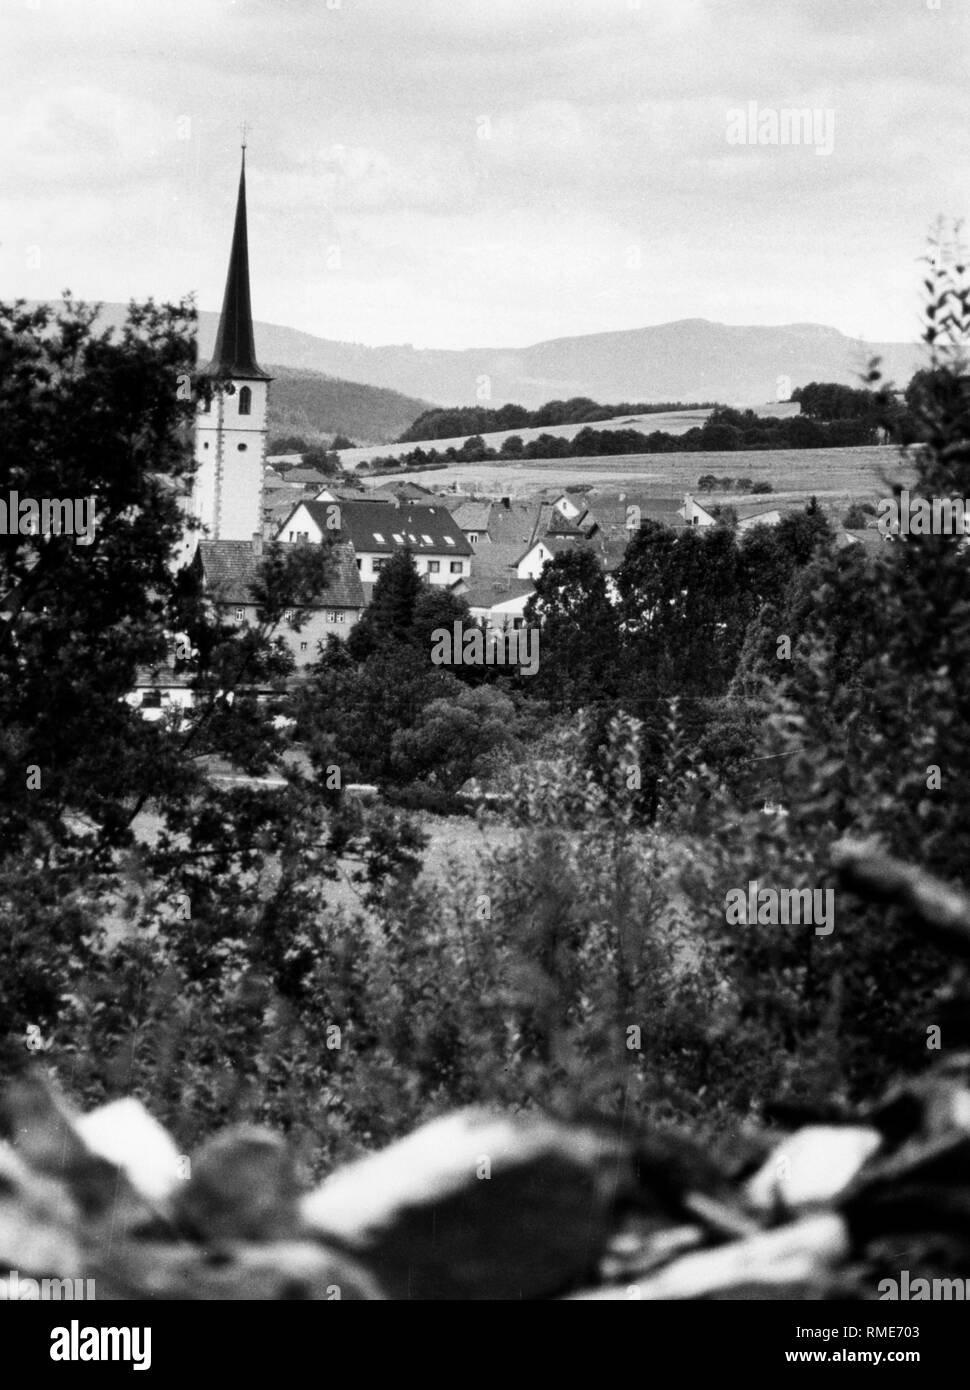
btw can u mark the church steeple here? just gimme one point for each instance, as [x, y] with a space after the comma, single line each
[231, 421]
[235, 350]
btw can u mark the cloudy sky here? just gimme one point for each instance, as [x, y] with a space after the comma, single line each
[487, 172]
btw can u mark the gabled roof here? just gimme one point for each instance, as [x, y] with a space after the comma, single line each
[473, 516]
[556, 545]
[403, 491]
[553, 522]
[496, 559]
[379, 529]
[870, 537]
[229, 569]
[744, 511]
[234, 354]
[515, 523]
[486, 593]
[611, 510]
[306, 475]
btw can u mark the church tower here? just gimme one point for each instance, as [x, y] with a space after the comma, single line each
[230, 429]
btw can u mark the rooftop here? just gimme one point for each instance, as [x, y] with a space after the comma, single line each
[229, 569]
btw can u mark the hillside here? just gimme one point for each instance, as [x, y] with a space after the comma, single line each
[309, 403]
[688, 360]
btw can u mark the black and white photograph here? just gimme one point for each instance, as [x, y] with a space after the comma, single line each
[485, 669]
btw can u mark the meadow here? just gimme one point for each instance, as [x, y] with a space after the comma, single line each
[832, 475]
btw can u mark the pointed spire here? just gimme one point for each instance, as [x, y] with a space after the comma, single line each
[235, 351]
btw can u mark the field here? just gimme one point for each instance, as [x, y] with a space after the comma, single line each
[833, 475]
[669, 421]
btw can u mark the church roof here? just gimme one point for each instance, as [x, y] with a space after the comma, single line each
[234, 354]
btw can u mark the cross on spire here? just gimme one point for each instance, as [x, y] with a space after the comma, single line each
[244, 131]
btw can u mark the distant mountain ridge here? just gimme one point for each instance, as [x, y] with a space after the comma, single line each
[689, 359]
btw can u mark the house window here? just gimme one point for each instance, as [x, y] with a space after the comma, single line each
[245, 401]
[399, 538]
[242, 448]
[378, 565]
[152, 699]
[434, 566]
[426, 540]
[303, 646]
[472, 537]
[449, 541]
[378, 538]
[288, 615]
[456, 567]
[240, 614]
[331, 615]
[359, 562]
[206, 407]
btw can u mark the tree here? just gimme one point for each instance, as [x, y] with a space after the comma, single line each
[389, 617]
[287, 444]
[578, 634]
[452, 739]
[863, 723]
[322, 460]
[88, 414]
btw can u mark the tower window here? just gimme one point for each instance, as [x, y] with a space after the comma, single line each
[242, 448]
[245, 401]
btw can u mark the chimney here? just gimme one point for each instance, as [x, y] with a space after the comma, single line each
[507, 503]
[257, 543]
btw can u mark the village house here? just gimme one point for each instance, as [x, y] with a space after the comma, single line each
[378, 530]
[499, 602]
[694, 514]
[228, 570]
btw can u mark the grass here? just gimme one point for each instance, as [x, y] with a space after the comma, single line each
[836, 474]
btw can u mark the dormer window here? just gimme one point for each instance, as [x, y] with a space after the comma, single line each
[245, 401]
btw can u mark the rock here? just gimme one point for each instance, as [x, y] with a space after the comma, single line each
[477, 1205]
[787, 1262]
[44, 1131]
[279, 1271]
[38, 1220]
[811, 1168]
[126, 1135]
[242, 1187]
